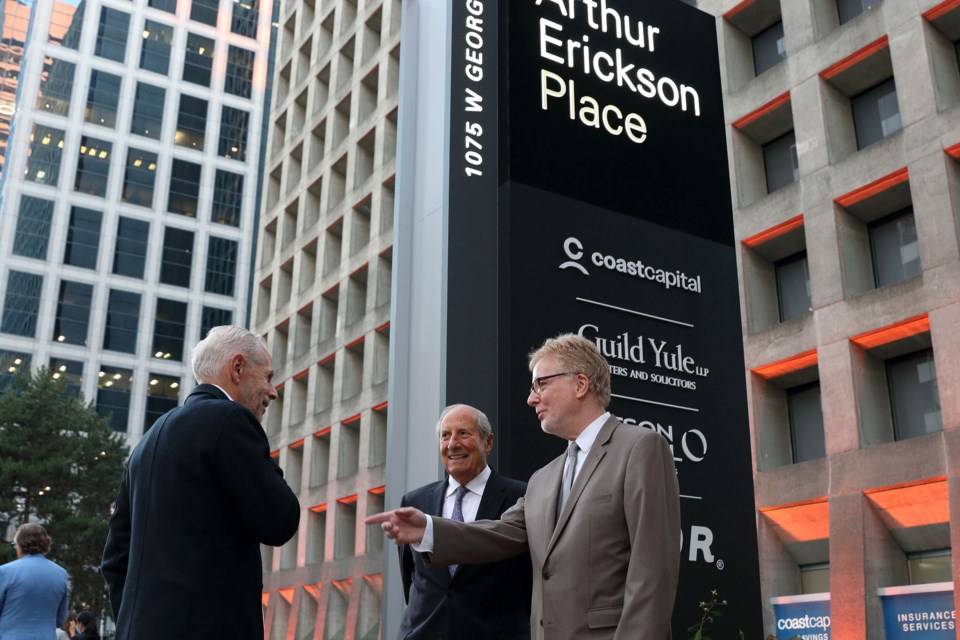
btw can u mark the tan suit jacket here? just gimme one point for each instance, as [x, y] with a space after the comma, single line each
[608, 567]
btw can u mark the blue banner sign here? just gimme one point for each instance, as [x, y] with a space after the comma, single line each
[919, 612]
[806, 617]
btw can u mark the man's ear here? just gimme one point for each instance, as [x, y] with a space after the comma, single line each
[583, 385]
[237, 365]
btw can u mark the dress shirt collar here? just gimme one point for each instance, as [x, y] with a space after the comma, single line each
[224, 392]
[587, 437]
[476, 485]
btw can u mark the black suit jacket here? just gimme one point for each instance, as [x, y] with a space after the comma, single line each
[199, 495]
[480, 602]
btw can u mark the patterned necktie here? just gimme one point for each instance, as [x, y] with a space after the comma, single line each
[457, 515]
[568, 473]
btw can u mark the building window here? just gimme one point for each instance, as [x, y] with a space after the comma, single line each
[43, 156]
[138, 179]
[170, 6]
[806, 422]
[850, 9]
[66, 20]
[876, 113]
[894, 248]
[780, 162]
[198, 61]
[239, 76]
[204, 11]
[246, 15]
[33, 227]
[221, 266]
[168, 329]
[12, 363]
[129, 255]
[56, 85]
[815, 578]
[112, 34]
[83, 238]
[69, 371]
[163, 394]
[212, 317]
[768, 48]
[93, 166]
[73, 312]
[227, 198]
[102, 98]
[184, 188]
[233, 133]
[793, 286]
[914, 401]
[928, 567]
[21, 303]
[155, 48]
[177, 257]
[113, 396]
[147, 111]
[123, 320]
[191, 122]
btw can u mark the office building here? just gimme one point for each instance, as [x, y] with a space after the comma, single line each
[844, 137]
[322, 290]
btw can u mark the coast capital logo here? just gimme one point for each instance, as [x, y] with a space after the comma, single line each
[574, 250]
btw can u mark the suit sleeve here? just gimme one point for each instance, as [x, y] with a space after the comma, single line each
[652, 511]
[116, 552]
[267, 506]
[479, 541]
[407, 566]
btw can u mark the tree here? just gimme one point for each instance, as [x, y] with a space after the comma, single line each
[60, 465]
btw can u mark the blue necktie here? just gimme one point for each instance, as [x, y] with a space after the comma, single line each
[457, 515]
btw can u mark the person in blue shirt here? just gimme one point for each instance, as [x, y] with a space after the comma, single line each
[33, 590]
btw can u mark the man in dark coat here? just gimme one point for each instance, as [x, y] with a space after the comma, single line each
[199, 495]
[470, 602]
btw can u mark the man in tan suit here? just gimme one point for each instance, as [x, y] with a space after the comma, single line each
[606, 555]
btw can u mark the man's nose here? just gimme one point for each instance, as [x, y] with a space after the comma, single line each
[272, 394]
[533, 399]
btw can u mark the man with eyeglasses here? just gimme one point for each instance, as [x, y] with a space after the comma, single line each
[470, 601]
[601, 522]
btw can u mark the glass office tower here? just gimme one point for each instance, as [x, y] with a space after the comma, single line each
[130, 161]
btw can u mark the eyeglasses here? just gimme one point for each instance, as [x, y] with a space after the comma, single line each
[537, 386]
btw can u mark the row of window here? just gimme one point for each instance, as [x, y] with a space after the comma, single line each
[894, 255]
[907, 384]
[123, 312]
[115, 384]
[81, 249]
[94, 162]
[113, 25]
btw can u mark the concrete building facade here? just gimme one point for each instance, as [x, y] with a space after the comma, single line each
[131, 146]
[322, 281]
[843, 131]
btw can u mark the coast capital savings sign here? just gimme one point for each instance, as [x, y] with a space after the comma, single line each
[806, 617]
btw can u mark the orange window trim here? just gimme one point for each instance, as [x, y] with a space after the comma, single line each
[954, 151]
[286, 594]
[353, 418]
[355, 343]
[323, 432]
[893, 333]
[877, 186]
[383, 327]
[774, 232]
[296, 445]
[780, 368]
[855, 58]
[762, 111]
[379, 490]
[941, 9]
[348, 499]
[379, 407]
[327, 359]
[302, 374]
[737, 9]
[320, 508]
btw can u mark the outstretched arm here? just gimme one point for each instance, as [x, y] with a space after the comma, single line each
[404, 526]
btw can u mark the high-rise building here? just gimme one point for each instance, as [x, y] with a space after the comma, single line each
[844, 137]
[130, 148]
[322, 283]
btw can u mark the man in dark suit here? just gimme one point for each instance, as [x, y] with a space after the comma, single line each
[601, 522]
[199, 495]
[469, 602]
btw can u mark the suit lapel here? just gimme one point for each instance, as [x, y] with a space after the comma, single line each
[597, 452]
[492, 498]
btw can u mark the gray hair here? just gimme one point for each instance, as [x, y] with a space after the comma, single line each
[221, 344]
[576, 354]
[480, 419]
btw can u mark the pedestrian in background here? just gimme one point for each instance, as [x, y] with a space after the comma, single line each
[65, 631]
[87, 626]
[33, 590]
